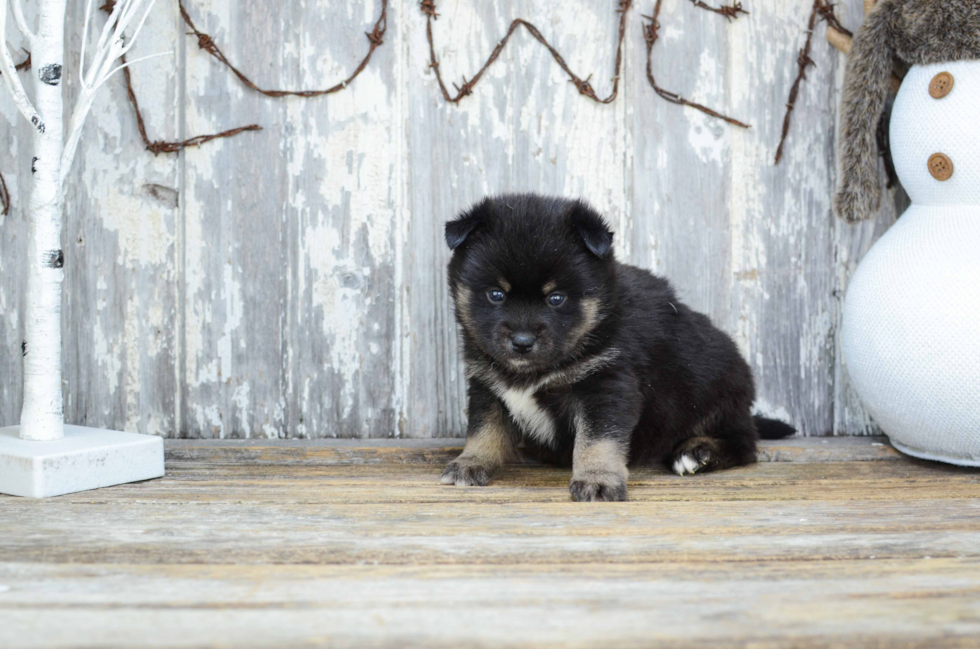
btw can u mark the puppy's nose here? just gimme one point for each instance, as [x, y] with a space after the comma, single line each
[523, 342]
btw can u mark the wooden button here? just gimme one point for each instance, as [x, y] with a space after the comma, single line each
[941, 85]
[940, 166]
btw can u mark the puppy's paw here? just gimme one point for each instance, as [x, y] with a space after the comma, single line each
[465, 474]
[686, 464]
[606, 487]
[692, 456]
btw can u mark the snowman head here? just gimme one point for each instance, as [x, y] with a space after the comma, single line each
[935, 133]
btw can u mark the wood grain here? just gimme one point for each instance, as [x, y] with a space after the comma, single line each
[291, 282]
[257, 544]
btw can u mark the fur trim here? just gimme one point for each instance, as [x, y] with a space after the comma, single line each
[918, 32]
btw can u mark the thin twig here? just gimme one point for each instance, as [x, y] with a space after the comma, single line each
[160, 146]
[428, 8]
[824, 10]
[375, 37]
[4, 196]
[205, 42]
[730, 12]
[802, 61]
[650, 35]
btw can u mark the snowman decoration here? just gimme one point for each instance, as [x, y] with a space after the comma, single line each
[911, 332]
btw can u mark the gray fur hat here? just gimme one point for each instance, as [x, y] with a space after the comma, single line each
[918, 32]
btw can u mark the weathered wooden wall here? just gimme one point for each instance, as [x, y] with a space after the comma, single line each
[290, 282]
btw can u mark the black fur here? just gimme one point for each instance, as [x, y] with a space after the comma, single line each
[621, 359]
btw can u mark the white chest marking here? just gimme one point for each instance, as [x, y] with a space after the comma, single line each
[525, 409]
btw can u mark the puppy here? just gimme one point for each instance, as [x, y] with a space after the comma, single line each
[592, 363]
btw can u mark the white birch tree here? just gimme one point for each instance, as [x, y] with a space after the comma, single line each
[42, 416]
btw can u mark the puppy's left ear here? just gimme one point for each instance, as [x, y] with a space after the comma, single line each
[463, 225]
[592, 228]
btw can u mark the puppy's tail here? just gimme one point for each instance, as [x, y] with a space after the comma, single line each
[772, 428]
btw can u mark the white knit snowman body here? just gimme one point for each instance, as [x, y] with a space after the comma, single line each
[911, 332]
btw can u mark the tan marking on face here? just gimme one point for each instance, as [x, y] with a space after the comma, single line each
[590, 316]
[504, 284]
[491, 445]
[463, 297]
[549, 287]
[594, 458]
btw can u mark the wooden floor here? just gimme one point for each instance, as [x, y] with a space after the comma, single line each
[824, 543]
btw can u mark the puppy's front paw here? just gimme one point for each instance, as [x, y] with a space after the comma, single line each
[464, 474]
[607, 487]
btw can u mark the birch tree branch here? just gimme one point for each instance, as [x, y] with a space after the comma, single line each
[11, 79]
[21, 23]
[112, 45]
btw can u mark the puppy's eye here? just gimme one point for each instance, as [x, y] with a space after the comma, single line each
[495, 295]
[556, 299]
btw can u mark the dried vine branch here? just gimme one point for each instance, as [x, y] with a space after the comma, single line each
[160, 146]
[822, 9]
[730, 12]
[205, 42]
[4, 196]
[428, 8]
[650, 35]
[802, 62]
[375, 36]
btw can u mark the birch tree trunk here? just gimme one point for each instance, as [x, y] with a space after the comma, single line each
[42, 416]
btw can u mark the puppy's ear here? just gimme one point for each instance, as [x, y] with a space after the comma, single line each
[463, 225]
[592, 228]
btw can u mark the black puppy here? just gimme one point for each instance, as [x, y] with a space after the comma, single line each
[594, 363]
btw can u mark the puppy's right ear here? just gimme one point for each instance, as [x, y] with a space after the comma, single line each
[592, 228]
[463, 225]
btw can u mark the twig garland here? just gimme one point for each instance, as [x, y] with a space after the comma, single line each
[803, 60]
[375, 37]
[428, 8]
[650, 35]
[205, 42]
[159, 146]
[824, 10]
[730, 12]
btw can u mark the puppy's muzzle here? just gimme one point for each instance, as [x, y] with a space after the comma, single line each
[523, 342]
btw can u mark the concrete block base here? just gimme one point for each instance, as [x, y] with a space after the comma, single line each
[85, 458]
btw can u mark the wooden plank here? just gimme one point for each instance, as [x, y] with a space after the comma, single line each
[14, 231]
[928, 603]
[279, 548]
[119, 323]
[209, 483]
[349, 451]
[398, 514]
[234, 237]
[744, 241]
[524, 128]
[341, 158]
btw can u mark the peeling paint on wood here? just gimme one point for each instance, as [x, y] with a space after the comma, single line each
[290, 283]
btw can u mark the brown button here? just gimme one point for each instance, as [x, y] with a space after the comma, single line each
[940, 166]
[941, 85]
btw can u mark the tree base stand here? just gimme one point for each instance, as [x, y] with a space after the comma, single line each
[85, 458]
